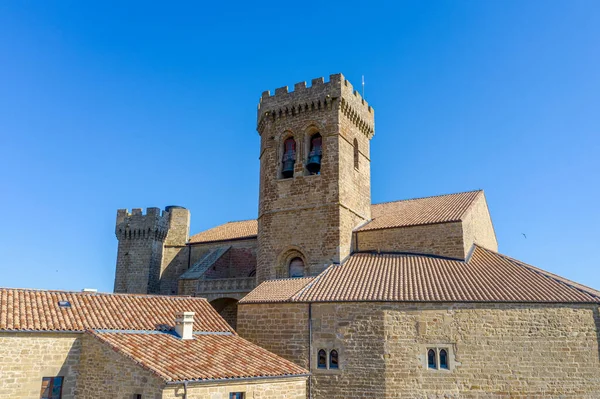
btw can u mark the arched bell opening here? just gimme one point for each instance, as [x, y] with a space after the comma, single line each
[289, 158]
[227, 308]
[315, 154]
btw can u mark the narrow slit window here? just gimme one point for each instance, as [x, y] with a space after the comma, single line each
[444, 359]
[322, 359]
[289, 158]
[333, 360]
[356, 154]
[431, 359]
[237, 395]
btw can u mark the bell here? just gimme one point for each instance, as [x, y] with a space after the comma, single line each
[314, 162]
[288, 168]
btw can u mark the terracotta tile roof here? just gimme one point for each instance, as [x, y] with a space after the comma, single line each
[205, 357]
[25, 309]
[486, 277]
[228, 231]
[419, 211]
[404, 213]
[276, 290]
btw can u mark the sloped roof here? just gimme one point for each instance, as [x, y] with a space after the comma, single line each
[277, 290]
[228, 231]
[486, 276]
[404, 213]
[420, 211]
[204, 263]
[37, 310]
[206, 357]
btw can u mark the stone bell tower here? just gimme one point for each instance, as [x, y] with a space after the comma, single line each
[315, 181]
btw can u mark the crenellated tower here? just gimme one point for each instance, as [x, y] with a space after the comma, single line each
[143, 258]
[315, 183]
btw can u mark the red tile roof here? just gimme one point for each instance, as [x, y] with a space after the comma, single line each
[485, 277]
[25, 309]
[420, 211]
[203, 358]
[277, 290]
[228, 231]
[404, 213]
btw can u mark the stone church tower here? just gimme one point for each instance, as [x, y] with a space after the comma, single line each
[315, 183]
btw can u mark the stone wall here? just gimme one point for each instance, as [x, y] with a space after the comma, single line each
[288, 388]
[174, 263]
[279, 328]
[27, 357]
[105, 373]
[442, 239]
[478, 227]
[312, 216]
[496, 350]
[245, 248]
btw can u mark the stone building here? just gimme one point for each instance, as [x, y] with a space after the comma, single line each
[67, 345]
[403, 299]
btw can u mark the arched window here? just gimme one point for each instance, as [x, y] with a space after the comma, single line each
[322, 359]
[356, 153]
[289, 158]
[315, 153]
[443, 359]
[296, 268]
[333, 360]
[431, 361]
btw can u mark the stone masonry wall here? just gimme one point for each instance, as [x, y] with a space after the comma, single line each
[106, 374]
[288, 388]
[246, 246]
[279, 328]
[443, 239]
[496, 350]
[307, 213]
[478, 227]
[27, 357]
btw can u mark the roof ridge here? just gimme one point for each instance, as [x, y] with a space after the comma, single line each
[169, 297]
[559, 279]
[426, 197]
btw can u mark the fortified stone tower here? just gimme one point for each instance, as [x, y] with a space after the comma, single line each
[315, 183]
[143, 240]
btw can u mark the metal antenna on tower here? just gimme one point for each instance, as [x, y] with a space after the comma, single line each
[363, 85]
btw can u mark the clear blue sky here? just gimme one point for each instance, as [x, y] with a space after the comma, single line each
[135, 104]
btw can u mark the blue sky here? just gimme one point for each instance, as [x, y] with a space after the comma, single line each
[107, 105]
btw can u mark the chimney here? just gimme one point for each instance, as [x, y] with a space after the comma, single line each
[184, 324]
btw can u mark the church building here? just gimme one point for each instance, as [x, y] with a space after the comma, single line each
[405, 299]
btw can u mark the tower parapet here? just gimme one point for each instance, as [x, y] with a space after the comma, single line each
[338, 92]
[137, 225]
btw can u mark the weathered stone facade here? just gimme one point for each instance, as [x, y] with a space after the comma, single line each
[498, 350]
[26, 358]
[291, 388]
[312, 216]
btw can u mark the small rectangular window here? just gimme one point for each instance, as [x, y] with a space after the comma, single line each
[237, 395]
[51, 388]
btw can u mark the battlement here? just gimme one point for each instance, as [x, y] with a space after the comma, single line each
[337, 93]
[136, 224]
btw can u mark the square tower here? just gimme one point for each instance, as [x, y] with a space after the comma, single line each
[315, 181]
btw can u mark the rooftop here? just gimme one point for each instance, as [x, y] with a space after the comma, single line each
[40, 310]
[403, 213]
[206, 357]
[486, 276]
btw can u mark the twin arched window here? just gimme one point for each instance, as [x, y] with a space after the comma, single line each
[333, 359]
[432, 359]
[313, 160]
[296, 268]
